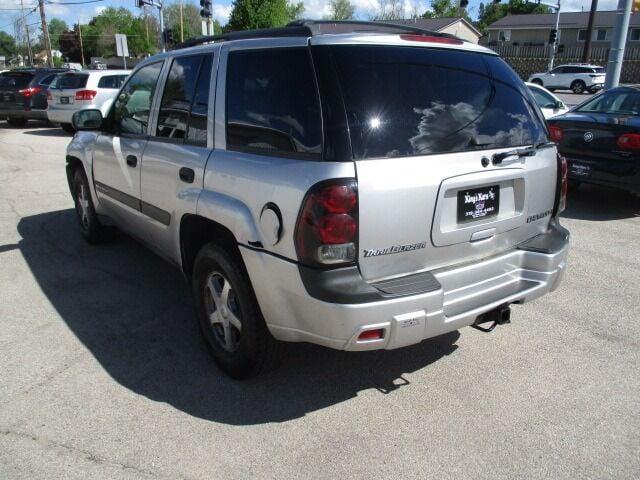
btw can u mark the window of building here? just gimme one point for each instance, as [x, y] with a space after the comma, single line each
[131, 108]
[504, 35]
[635, 35]
[601, 35]
[272, 103]
[582, 35]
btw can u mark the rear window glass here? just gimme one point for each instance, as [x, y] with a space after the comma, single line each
[404, 101]
[70, 80]
[15, 79]
[111, 81]
[614, 102]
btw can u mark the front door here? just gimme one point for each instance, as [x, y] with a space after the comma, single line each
[179, 146]
[117, 157]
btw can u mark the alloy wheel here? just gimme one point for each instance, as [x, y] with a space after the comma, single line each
[223, 311]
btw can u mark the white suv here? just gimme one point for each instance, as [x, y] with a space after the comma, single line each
[73, 91]
[578, 77]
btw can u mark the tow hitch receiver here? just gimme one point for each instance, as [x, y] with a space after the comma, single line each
[499, 316]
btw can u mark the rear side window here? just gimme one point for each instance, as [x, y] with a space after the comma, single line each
[272, 103]
[111, 81]
[403, 101]
[70, 81]
[178, 99]
[15, 80]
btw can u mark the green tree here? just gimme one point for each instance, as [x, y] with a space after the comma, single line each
[342, 10]
[99, 34]
[250, 14]
[444, 9]
[56, 28]
[7, 44]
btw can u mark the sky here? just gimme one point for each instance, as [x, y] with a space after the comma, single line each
[9, 9]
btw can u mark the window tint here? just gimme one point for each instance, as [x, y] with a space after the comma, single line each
[70, 81]
[559, 70]
[404, 101]
[48, 79]
[625, 102]
[111, 81]
[177, 97]
[15, 80]
[131, 108]
[272, 103]
[197, 133]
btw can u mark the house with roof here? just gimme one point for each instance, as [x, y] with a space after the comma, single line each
[533, 29]
[459, 27]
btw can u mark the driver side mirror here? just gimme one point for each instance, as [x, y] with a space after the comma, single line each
[87, 120]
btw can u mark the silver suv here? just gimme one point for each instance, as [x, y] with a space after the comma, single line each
[360, 190]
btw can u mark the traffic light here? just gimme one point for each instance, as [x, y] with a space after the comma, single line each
[167, 35]
[206, 9]
[464, 3]
[140, 3]
[553, 34]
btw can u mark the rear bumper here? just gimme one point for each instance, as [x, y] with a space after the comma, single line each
[57, 115]
[458, 296]
[623, 173]
[34, 114]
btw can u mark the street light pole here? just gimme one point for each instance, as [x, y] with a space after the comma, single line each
[616, 53]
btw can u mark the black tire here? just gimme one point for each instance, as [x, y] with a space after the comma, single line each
[90, 227]
[245, 352]
[17, 122]
[537, 81]
[67, 127]
[593, 90]
[578, 87]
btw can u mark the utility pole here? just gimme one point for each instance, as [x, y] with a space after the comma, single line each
[45, 33]
[162, 44]
[158, 5]
[26, 27]
[181, 27]
[81, 47]
[616, 53]
[586, 52]
[552, 45]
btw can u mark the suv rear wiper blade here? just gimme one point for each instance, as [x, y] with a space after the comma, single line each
[497, 158]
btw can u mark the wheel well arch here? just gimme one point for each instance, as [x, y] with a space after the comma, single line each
[195, 232]
[73, 163]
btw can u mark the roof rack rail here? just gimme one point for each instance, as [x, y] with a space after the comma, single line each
[308, 28]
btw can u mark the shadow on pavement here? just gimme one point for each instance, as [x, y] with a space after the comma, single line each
[592, 202]
[133, 313]
[49, 132]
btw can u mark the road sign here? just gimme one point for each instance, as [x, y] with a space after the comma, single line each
[122, 49]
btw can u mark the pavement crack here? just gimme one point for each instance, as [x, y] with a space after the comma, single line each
[86, 454]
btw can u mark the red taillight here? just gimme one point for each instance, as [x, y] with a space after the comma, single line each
[431, 39]
[629, 141]
[30, 92]
[555, 132]
[327, 228]
[86, 94]
[562, 187]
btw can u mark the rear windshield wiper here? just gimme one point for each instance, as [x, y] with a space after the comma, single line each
[497, 158]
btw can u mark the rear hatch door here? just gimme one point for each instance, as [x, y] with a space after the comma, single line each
[64, 88]
[425, 125]
[11, 83]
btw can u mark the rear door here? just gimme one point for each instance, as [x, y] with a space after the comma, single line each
[63, 89]
[424, 125]
[11, 83]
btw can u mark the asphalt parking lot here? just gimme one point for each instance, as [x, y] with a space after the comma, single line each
[103, 374]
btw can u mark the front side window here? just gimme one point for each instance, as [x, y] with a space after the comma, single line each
[542, 98]
[403, 101]
[559, 70]
[131, 108]
[272, 103]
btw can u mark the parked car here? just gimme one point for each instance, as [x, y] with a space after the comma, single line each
[579, 78]
[23, 94]
[550, 105]
[601, 139]
[73, 91]
[359, 191]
